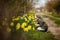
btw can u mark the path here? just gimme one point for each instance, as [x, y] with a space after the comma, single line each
[52, 27]
[49, 15]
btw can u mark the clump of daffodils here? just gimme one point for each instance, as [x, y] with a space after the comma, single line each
[26, 23]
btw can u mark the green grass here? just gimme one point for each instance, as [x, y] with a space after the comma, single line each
[56, 15]
[37, 35]
[55, 20]
[45, 16]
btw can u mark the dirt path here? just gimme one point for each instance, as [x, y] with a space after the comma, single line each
[49, 15]
[52, 27]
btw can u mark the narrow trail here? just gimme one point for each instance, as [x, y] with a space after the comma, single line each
[49, 15]
[52, 27]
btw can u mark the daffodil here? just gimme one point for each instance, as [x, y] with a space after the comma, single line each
[12, 24]
[32, 17]
[25, 29]
[17, 18]
[25, 15]
[33, 28]
[23, 25]
[34, 22]
[21, 17]
[29, 17]
[25, 19]
[28, 21]
[29, 27]
[13, 19]
[8, 29]
[18, 26]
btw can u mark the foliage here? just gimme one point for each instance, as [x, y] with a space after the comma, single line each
[23, 28]
[10, 8]
[53, 6]
[37, 35]
[26, 22]
[56, 15]
[55, 20]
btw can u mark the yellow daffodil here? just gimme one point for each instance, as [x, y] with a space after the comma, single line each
[12, 24]
[28, 21]
[25, 15]
[13, 19]
[23, 25]
[25, 29]
[8, 29]
[17, 18]
[29, 27]
[35, 22]
[18, 26]
[25, 19]
[29, 17]
[33, 28]
[21, 17]
[32, 17]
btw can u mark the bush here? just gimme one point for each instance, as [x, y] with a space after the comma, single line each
[23, 28]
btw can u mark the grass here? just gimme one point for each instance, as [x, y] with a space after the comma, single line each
[45, 16]
[37, 35]
[56, 15]
[55, 20]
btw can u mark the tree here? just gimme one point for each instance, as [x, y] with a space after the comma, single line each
[9, 8]
[53, 6]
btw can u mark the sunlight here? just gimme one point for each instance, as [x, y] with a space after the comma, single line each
[40, 3]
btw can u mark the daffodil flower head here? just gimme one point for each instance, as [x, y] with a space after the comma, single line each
[25, 29]
[18, 26]
[21, 17]
[33, 28]
[29, 27]
[29, 17]
[23, 25]
[17, 18]
[8, 29]
[25, 19]
[32, 17]
[12, 24]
